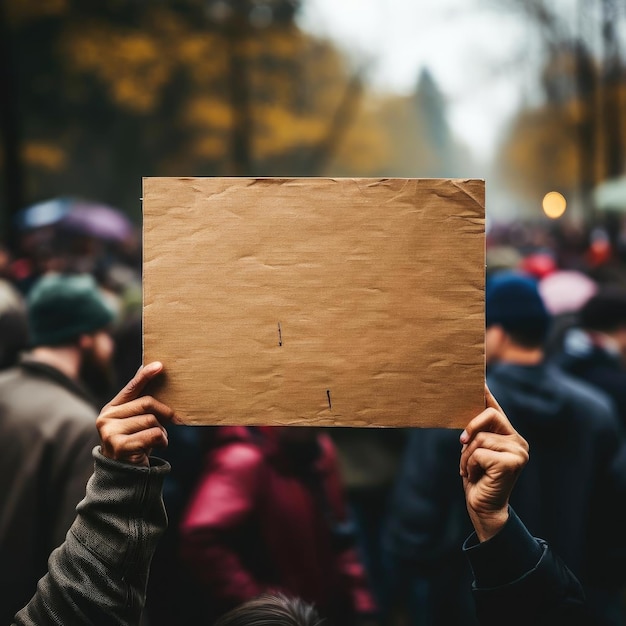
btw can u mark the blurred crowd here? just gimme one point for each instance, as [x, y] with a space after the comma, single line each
[367, 524]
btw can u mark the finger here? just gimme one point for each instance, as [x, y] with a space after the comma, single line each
[137, 384]
[112, 428]
[491, 419]
[496, 442]
[507, 446]
[140, 443]
[476, 466]
[490, 400]
[139, 406]
[490, 403]
[505, 466]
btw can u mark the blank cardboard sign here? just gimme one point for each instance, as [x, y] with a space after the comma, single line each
[313, 301]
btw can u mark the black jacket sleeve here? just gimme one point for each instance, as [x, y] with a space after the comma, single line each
[518, 580]
[99, 574]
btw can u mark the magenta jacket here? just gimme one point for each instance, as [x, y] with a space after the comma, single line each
[269, 517]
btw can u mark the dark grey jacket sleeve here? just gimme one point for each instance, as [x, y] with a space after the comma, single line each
[99, 574]
[518, 580]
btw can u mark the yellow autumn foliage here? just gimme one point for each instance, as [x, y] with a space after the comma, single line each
[208, 112]
[174, 69]
[208, 147]
[366, 149]
[130, 63]
[203, 55]
[286, 43]
[541, 151]
[24, 10]
[278, 130]
[44, 155]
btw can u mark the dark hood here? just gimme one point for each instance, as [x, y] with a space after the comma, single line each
[539, 393]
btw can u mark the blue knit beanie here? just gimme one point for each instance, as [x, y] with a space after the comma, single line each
[62, 307]
[513, 302]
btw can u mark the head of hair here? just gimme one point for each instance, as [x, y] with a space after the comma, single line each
[272, 609]
[513, 302]
[530, 338]
[62, 307]
[606, 310]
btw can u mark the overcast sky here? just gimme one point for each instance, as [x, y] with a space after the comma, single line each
[480, 56]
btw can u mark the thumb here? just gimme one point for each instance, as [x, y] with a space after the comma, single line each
[490, 401]
[137, 384]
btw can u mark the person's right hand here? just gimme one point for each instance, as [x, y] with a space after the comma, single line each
[131, 424]
[492, 457]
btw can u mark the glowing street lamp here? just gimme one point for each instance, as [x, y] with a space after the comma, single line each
[554, 204]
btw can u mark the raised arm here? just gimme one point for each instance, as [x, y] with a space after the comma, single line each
[518, 580]
[99, 574]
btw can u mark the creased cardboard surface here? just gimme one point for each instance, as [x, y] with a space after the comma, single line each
[316, 301]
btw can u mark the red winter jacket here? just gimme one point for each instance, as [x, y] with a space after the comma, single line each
[263, 518]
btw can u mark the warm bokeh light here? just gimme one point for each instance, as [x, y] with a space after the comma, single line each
[554, 204]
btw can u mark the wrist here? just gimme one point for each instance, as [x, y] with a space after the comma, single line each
[488, 524]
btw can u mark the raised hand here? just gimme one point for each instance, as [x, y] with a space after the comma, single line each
[131, 424]
[492, 457]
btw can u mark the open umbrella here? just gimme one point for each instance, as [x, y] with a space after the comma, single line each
[565, 291]
[42, 214]
[97, 220]
[74, 215]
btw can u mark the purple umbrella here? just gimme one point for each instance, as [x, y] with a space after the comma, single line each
[97, 220]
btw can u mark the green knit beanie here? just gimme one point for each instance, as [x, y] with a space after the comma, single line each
[62, 307]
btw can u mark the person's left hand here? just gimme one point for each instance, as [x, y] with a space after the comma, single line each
[131, 424]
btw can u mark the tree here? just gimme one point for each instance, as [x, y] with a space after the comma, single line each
[110, 92]
[415, 138]
[575, 137]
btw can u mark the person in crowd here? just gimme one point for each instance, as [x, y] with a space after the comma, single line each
[595, 349]
[276, 609]
[99, 574]
[518, 579]
[428, 580]
[47, 429]
[13, 324]
[368, 462]
[571, 491]
[569, 494]
[268, 513]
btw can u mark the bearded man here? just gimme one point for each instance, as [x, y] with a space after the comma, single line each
[47, 428]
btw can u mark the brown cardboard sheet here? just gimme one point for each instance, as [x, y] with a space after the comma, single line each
[313, 301]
